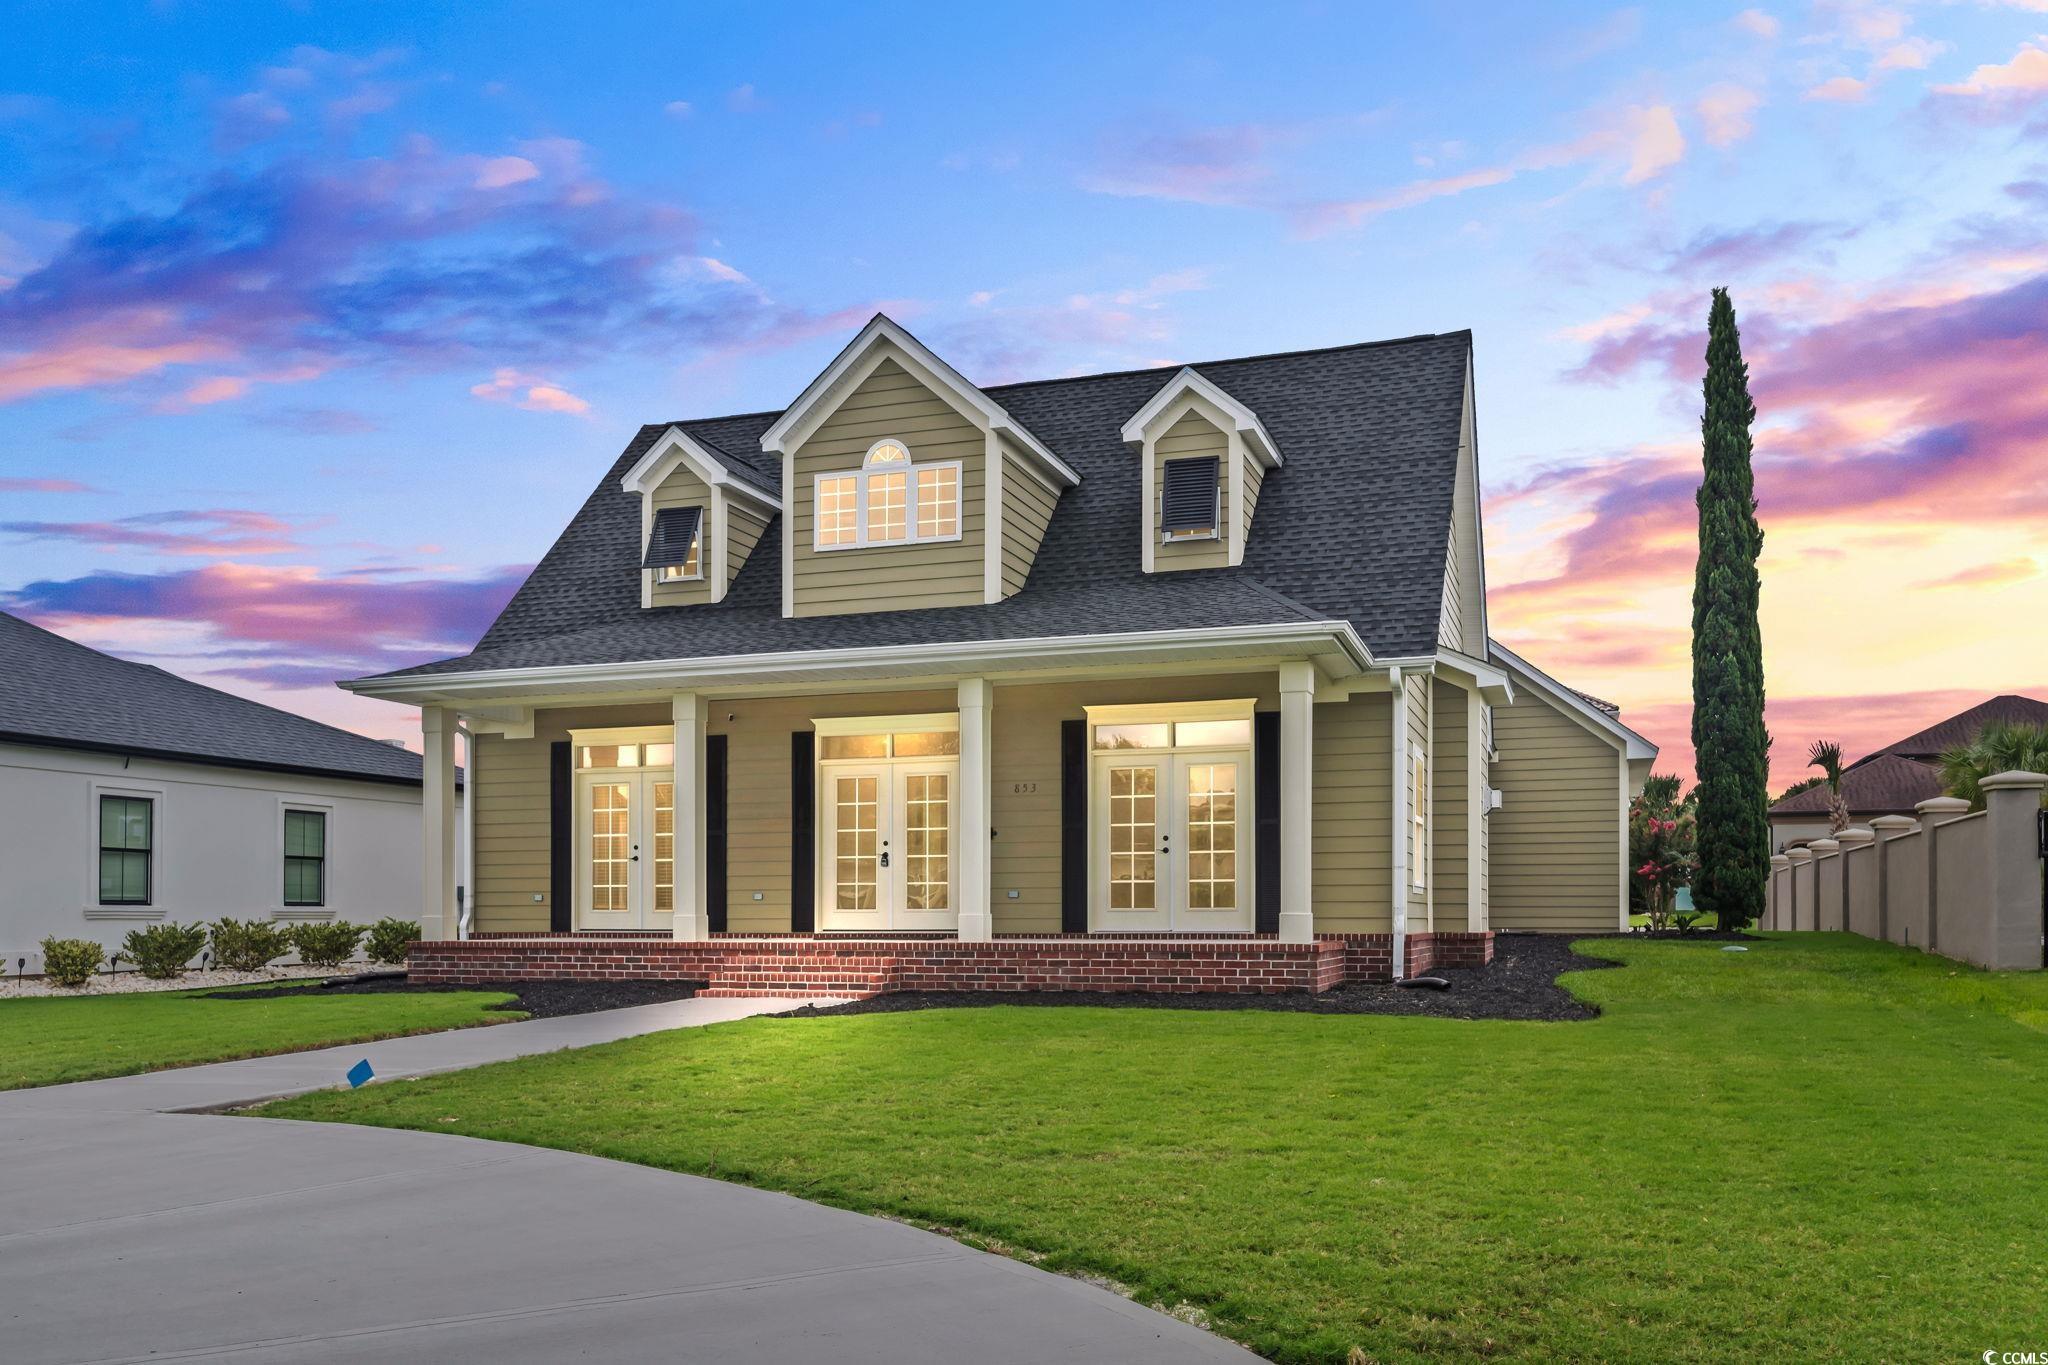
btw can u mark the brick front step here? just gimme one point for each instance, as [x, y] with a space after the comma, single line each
[796, 965]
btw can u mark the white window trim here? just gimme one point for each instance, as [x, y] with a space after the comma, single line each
[324, 910]
[1418, 816]
[159, 889]
[860, 476]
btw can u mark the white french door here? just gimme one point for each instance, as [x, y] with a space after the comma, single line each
[885, 856]
[1172, 840]
[626, 849]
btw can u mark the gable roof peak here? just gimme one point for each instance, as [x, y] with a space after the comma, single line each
[884, 334]
[1189, 380]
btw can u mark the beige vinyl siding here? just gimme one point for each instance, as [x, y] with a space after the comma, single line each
[1449, 631]
[1025, 857]
[1418, 738]
[682, 488]
[1482, 898]
[743, 528]
[1192, 435]
[1351, 856]
[1555, 855]
[1027, 510]
[1254, 480]
[1450, 782]
[892, 403]
[512, 836]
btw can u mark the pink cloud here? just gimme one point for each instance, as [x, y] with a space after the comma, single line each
[225, 530]
[502, 171]
[539, 395]
[1839, 90]
[11, 485]
[2022, 78]
[1727, 113]
[1987, 575]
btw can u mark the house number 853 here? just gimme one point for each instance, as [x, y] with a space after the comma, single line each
[1023, 788]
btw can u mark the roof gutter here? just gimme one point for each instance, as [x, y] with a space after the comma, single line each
[1332, 640]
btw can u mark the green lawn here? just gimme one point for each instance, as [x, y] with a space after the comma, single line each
[51, 1039]
[1821, 1148]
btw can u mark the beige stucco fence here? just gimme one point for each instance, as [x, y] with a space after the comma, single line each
[1965, 885]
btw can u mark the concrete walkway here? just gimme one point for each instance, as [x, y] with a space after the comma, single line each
[128, 1232]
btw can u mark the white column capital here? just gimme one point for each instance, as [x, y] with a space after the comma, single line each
[1298, 675]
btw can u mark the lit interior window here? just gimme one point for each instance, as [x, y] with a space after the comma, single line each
[888, 508]
[938, 502]
[838, 510]
[892, 500]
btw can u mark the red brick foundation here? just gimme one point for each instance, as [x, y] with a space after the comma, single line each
[846, 966]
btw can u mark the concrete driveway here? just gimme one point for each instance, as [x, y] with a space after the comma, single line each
[129, 1233]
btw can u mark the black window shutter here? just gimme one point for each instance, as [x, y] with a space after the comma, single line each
[1266, 820]
[668, 545]
[714, 831]
[803, 839]
[561, 837]
[1073, 826]
[1189, 502]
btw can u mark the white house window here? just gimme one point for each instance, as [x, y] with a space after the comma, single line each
[675, 545]
[305, 857]
[127, 839]
[1418, 838]
[891, 501]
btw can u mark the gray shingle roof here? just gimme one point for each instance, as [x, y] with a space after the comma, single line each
[58, 692]
[1883, 784]
[1354, 526]
[1962, 727]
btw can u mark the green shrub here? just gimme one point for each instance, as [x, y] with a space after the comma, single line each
[247, 945]
[162, 950]
[390, 939]
[326, 944]
[70, 961]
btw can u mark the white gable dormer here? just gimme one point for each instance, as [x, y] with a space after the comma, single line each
[698, 521]
[1192, 434]
[907, 486]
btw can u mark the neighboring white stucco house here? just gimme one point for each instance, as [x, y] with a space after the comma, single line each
[129, 796]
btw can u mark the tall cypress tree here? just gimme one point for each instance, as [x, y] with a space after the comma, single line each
[1730, 745]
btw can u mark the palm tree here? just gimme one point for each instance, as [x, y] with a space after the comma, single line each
[2002, 746]
[1826, 755]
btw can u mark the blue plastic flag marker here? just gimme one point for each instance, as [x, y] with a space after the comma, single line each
[359, 1074]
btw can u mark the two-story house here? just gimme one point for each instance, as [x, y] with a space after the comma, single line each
[1070, 682]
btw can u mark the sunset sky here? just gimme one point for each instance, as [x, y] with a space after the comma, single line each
[314, 329]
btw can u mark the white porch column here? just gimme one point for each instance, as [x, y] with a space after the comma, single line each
[692, 920]
[977, 806]
[437, 823]
[1297, 801]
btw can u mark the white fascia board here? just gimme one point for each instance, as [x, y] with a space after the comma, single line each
[1495, 684]
[1632, 744]
[882, 328]
[1302, 638]
[1187, 380]
[676, 444]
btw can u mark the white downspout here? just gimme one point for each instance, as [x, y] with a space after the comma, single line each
[466, 919]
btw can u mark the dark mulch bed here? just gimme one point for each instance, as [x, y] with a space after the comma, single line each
[540, 999]
[1520, 983]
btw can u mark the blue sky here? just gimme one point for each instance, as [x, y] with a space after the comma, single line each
[316, 325]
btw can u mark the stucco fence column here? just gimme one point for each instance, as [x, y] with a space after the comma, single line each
[1776, 904]
[1802, 886]
[2013, 802]
[1887, 828]
[1935, 812]
[1827, 864]
[1857, 867]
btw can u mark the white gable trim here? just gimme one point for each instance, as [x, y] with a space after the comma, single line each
[1242, 421]
[674, 447]
[1632, 745]
[847, 369]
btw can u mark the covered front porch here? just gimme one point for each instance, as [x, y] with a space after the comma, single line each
[1126, 824]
